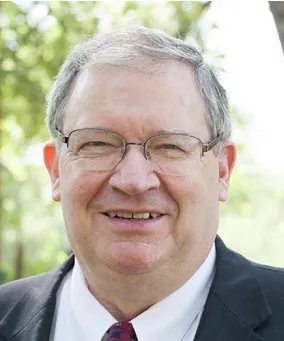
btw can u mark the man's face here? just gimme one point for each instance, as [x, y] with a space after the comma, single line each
[137, 106]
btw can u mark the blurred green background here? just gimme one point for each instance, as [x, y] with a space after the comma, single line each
[35, 39]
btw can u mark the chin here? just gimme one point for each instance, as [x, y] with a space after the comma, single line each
[137, 258]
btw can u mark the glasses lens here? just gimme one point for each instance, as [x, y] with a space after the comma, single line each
[101, 150]
[173, 154]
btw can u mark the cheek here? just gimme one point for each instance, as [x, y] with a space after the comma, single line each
[187, 190]
[77, 185]
[197, 219]
[78, 188]
[196, 195]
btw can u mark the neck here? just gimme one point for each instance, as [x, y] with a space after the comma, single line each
[127, 296]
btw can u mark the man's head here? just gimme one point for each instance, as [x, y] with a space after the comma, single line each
[136, 85]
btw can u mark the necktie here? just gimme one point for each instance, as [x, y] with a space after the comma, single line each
[121, 331]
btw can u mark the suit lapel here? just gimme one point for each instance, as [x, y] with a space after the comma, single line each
[31, 317]
[219, 324]
[236, 304]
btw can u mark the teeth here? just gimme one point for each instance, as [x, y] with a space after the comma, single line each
[137, 216]
[154, 215]
[127, 215]
[145, 215]
[134, 215]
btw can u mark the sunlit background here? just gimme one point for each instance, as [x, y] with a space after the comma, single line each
[254, 65]
[239, 39]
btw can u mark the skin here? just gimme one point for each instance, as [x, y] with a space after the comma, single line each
[128, 270]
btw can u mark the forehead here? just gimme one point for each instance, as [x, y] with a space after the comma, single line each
[119, 100]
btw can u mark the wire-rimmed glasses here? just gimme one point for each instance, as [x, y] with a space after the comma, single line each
[167, 153]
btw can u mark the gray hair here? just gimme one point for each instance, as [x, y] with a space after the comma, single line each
[135, 48]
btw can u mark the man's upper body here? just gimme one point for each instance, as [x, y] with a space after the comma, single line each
[174, 317]
[245, 303]
[140, 160]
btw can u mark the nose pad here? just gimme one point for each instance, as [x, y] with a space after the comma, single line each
[134, 174]
[135, 155]
[124, 151]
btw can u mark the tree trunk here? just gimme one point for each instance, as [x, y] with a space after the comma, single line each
[277, 9]
[1, 192]
[19, 259]
[1, 179]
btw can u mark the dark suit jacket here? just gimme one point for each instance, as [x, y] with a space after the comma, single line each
[245, 303]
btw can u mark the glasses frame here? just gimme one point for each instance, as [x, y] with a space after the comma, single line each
[206, 147]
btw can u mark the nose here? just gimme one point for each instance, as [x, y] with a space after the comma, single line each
[134, 175]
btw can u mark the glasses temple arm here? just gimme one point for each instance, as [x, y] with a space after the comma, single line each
[61, 137]
[208, 146]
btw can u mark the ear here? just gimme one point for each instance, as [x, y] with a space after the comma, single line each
[227, 159]
[51, 164]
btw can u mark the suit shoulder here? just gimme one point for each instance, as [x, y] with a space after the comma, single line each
[267, 272]
[271, 280]
[19, 286]
[22, 290]
[13, 291]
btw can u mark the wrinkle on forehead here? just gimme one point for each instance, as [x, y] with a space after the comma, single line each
[101, 92]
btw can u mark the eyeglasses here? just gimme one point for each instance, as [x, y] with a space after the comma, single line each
[170, 154]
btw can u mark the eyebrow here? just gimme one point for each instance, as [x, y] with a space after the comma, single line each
[156, 133]
[162, 132]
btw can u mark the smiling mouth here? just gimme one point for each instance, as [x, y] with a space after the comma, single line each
[127, 215]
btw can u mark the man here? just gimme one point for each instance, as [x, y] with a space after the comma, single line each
[140, 159]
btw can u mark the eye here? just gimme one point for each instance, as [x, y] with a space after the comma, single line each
[97, 147]
[97, 143]
[169, 146]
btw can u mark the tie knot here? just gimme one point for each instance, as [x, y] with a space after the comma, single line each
[121, 331]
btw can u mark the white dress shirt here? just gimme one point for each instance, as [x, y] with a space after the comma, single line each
[80, 317]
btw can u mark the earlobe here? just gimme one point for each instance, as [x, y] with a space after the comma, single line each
[51, 164]
[227, 159]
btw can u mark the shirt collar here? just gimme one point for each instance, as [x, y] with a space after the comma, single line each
[169, 318]
[93, 319]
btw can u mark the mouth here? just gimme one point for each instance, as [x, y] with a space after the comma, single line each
[134, 216]
[134, 222]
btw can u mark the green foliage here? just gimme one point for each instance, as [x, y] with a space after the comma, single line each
[252, 220]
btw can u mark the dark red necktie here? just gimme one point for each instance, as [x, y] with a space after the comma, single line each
[121, 331]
